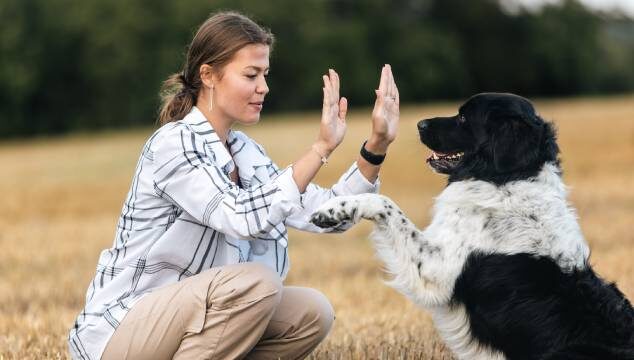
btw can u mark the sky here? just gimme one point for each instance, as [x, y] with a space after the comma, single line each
[626, 5]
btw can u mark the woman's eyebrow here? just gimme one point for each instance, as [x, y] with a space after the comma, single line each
[257, 68]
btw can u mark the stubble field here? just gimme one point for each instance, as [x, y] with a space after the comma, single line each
[61, 198]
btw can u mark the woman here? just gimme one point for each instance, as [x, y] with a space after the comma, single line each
[197, 264]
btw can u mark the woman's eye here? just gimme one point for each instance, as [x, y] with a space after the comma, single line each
[462, 119]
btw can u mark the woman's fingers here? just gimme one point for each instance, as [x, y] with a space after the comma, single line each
[331, 83]
[328, 88]
[333, 105]
[392, 83]
[383, 81]
[326, 101]
[334, 79]
[343, 108]
[380, 97]
[326, 92]
[397, 99]
[327, 98]
[387, 86]
[393, 93]
[388, 80]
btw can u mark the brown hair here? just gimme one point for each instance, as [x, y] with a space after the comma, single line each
[215, 43]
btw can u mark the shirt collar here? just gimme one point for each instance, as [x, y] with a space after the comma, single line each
[244, 151]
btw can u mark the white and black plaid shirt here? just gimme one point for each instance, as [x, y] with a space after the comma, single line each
[184, 215]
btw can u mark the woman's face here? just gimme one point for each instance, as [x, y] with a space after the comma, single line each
[239, 92]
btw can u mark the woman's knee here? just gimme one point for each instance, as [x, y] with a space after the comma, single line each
[318, 313]
[261, 278]
[248, 282]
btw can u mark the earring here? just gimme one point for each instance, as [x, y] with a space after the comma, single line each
[211, 103]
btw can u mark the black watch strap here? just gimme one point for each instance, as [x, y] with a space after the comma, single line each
[373, 159]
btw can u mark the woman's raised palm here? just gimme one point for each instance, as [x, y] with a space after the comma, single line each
[333, 114]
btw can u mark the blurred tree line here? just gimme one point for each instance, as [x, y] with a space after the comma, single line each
[84, 64]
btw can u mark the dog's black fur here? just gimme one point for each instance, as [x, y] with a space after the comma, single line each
[501, 136]
[527, 308]
[524, 306]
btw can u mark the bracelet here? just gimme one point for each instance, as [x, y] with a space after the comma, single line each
[373, 159]
[324, 160]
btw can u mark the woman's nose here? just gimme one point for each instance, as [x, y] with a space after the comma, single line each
[262, 87]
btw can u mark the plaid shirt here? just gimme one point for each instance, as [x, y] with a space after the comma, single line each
[184, 215]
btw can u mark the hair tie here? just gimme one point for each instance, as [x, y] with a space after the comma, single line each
[187, 88]
[183, 80]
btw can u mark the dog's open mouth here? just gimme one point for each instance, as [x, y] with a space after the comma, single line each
[444, 162]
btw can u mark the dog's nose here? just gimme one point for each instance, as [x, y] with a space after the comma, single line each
[423, 125]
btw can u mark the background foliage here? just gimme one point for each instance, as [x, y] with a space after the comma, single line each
[77, 64]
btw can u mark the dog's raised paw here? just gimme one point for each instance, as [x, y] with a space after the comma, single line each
[334, 213]
[324, 220]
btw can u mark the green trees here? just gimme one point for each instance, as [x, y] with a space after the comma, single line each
[71, 64]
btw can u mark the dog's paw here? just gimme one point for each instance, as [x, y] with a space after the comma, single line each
[336, 212]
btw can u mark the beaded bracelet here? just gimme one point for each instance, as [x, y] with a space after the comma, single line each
[324, 160]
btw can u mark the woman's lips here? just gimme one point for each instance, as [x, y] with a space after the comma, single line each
[257, 105]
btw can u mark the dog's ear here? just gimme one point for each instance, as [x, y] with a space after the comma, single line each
[515, 140]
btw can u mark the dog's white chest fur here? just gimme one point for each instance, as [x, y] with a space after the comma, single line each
[523, 216]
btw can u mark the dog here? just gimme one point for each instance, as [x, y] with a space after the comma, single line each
[503, 266]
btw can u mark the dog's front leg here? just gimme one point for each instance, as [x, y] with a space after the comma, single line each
[414, 262]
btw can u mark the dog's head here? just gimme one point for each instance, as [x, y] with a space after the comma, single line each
[494, 137]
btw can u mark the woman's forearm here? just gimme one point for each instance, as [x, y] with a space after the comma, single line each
[371, 171]
[307, 166]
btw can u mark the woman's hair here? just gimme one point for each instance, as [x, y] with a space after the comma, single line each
[215, 43]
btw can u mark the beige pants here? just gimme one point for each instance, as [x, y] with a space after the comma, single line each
[230, 312]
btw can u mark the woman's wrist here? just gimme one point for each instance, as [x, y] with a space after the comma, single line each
[322, 148]
[377, 145]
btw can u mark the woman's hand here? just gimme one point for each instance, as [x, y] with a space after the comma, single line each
[333, 115]
[385, 116]
[331, 132]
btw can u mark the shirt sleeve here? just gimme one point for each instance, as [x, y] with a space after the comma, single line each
[186, 174]
[352, 182]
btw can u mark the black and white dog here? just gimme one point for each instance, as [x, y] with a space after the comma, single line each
[503, 266]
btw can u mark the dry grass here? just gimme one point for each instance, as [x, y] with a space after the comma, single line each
[61, 198]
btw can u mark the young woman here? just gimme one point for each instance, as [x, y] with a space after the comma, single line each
[197, 264]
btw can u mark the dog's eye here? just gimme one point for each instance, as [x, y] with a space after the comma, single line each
[462, 119]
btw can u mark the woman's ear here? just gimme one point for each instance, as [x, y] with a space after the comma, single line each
[207, 75]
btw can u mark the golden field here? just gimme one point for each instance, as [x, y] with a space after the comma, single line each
[61, 198]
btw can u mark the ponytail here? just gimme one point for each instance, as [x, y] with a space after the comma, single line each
[177, 98]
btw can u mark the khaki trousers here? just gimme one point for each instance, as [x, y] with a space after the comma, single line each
[231, 312]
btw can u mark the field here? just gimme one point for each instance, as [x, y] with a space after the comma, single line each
[61, 198]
